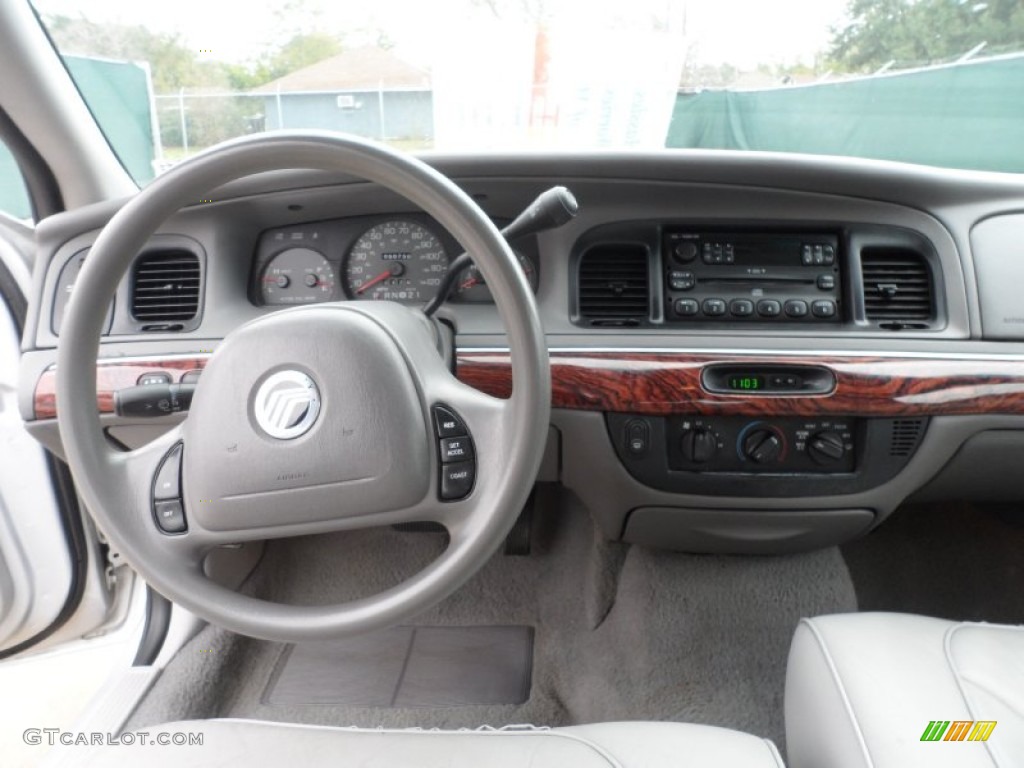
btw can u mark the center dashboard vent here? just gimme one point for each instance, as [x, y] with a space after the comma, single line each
[898, 288]
[613, 286]
[165, 289]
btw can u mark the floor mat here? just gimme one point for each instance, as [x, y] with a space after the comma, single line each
[619, 632]
[953, 560]
[408, 667]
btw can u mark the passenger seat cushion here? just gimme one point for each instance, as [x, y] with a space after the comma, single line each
[621, 745]
[862, 688]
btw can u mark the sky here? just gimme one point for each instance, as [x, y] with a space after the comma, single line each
[715, 31]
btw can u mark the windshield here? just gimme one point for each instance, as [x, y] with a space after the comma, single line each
[938, 82]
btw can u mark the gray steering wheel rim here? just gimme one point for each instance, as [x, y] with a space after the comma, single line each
[97, 467]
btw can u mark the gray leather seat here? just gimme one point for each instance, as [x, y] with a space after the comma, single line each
[258, 743]
[861, 690]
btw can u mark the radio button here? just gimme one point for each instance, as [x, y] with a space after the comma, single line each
[713, 307]
[823, 308]
[826, 282]
[686, 307]
[795, 308]
[741, 307]
[807, 256]
[830, 255]
[769, 308]
[681, 281]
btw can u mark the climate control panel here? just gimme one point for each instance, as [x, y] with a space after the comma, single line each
[742, 444]
[763, 456]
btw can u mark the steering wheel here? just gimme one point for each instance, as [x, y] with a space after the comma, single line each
[312, 419]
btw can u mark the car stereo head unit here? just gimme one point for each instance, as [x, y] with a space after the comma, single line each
[729, 277]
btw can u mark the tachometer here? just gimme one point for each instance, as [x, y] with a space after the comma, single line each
[396, 261]
[297, 276]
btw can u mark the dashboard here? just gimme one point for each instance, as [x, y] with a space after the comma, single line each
[750, 353]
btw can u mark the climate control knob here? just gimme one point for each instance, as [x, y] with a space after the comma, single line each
[762, 446]
[825, 447]
[698, 445]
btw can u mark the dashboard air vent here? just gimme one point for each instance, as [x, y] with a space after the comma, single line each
[613, 285]
[897, 288]
[165, 288]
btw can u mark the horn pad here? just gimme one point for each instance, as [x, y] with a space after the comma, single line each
[303, 416]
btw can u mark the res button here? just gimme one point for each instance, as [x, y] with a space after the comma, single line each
[447, 423]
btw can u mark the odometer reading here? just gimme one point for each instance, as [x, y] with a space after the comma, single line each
[396, 261]
[749, 383]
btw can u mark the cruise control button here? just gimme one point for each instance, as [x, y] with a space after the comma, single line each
[768, 308]
[168, 477]
[823, 308]
[741, 307]
[796, 308]
[456, 449]
[713, 307]
[447, 423]
[170, 516]
[457, 480]
[686, 307]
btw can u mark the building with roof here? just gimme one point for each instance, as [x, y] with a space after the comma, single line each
[365, 91]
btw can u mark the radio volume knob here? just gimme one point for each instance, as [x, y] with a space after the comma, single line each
[762, 446]
[685, 252]
[698, 445]
[826, 447]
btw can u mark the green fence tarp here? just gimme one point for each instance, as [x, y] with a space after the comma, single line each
[968, 115]
[118, 93]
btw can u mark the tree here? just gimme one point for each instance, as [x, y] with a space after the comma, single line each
[919, 32]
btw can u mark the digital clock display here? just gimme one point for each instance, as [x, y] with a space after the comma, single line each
[746, 382]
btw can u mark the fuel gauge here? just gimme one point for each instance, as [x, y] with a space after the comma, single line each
[472, 287]
[297, 276]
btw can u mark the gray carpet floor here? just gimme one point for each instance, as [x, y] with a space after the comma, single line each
[955, 561]
[619, 632]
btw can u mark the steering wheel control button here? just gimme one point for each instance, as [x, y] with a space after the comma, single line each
[287, 404]
[447, 424]
[456, 449]
[168, 477]
[457, 480]
[157, 377]
[170, 516]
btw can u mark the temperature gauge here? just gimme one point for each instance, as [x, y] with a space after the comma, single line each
[297, 276]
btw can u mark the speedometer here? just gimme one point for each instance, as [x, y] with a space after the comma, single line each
[396, 261]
